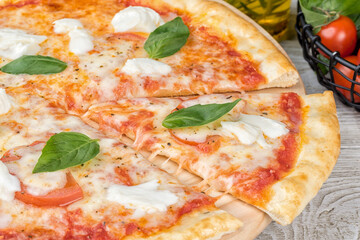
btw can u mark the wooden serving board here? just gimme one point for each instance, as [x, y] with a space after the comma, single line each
[254, 220]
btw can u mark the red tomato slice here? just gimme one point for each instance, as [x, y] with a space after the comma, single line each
[340, 80]
[211, 144]
[57, 198]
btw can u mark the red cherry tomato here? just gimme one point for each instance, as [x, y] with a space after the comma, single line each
[339, 35]
[340, 80]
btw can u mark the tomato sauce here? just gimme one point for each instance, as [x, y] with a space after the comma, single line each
[123, 176]
[253, 187]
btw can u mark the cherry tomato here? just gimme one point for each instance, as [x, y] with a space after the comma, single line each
[340, 80]
[339, 35]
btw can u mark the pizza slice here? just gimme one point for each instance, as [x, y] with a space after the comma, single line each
[273, 151]
[52, 186]
[115, 49]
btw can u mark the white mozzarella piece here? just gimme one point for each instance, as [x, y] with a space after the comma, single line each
[145, 66]
[5, 102]
[67, 25]
[252, 128]
[136, 19]
[37, 184]
[246, 133]
[9, 184]
[269, 127]
[143, 198]
[15, 43]
[80, 39]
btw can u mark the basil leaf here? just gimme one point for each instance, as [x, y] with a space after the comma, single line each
[66, 149]
[356, 19]
[324, 68]
[319, 13]
[197, 115]
[34, 64]
[167, 39]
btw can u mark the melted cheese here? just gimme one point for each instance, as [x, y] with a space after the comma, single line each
[15, 43]
[5, 220]
[271, 128]
[9, 184]
[250, 129]
[102, 67]
[145, 66]
[5, 102]
[38, 183]
[144, 198]
[209, 99]
[80, 39]
[246, 133]
[136, 19]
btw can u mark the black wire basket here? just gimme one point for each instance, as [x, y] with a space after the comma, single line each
[311, 45]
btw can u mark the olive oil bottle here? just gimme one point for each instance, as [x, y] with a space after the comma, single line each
[272, 15]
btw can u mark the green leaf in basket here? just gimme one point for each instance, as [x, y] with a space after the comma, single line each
[319, 13]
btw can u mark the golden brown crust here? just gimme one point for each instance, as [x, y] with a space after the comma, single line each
[320, 149]
[199, 225]
[248, 38]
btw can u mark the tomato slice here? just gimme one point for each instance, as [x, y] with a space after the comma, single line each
[70, 193]
[57, 198]
[210, 145]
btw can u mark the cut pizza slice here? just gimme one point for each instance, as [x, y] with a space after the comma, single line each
[107, 48]
[273, 151]
[51, 190]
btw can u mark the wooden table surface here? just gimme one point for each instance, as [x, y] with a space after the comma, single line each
[335, 212]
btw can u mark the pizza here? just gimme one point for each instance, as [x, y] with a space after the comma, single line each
[116, 195]
[272, 151]
[94, 71]
[106, 59]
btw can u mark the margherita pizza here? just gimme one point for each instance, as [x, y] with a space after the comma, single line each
[273, 151]
[116, 195]
[69, 63]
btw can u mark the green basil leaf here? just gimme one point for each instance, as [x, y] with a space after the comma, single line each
[356, 19]
[167, 39]
[34, 64]
[66, 149]
[319, 13]
[324, 68]
[197, 115]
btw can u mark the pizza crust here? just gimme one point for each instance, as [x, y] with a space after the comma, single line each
[199, 225]
[248, 37]
[320, 149]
